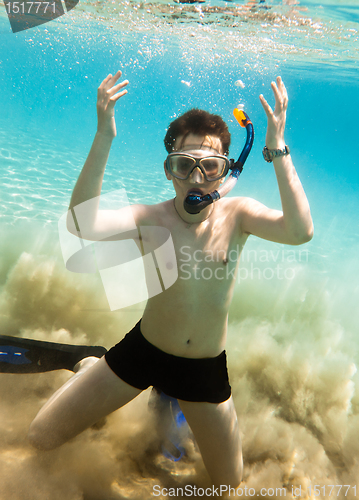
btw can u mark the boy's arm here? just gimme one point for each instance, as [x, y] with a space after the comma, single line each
[293, 225]
[87, 218]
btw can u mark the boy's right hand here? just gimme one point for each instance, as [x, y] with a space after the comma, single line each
[107, 96]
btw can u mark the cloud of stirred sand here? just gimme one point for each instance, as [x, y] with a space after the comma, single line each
[292, 359]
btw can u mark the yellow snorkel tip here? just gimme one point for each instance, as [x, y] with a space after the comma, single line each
[241, 117]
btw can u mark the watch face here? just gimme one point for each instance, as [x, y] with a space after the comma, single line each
[267, 155]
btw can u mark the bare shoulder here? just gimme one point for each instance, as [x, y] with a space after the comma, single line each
[241, 209]
[147, 215]
[240, 205]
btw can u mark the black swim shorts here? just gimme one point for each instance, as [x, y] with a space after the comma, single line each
[141, 364]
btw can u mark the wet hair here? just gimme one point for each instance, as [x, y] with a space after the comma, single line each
[197, 122]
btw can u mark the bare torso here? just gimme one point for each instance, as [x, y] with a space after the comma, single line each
[190, 318]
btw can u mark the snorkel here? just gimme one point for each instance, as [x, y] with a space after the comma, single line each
[195, 203]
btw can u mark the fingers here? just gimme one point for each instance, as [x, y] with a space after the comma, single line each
[268, 110]
[108, 86]
[114, 91]
[109, 81]
[283, 91]
[280, 94]
[281, 86]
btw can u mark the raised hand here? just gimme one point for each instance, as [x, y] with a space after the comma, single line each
[108, 94]
[276, 118]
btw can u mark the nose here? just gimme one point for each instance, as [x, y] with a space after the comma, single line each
[196, 176]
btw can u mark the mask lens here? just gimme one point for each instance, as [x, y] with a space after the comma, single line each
[181, 165]
[214, 167]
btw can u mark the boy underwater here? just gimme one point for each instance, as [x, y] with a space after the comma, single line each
[178, 345]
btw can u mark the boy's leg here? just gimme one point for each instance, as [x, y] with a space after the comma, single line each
[91, 394]
[215, 428]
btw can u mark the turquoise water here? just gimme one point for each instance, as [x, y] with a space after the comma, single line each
[293, 343]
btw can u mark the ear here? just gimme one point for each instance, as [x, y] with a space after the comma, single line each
[168, 175]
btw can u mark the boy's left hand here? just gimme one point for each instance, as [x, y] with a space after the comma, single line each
[276, 118]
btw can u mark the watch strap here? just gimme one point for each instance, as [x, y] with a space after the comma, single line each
[270, 154]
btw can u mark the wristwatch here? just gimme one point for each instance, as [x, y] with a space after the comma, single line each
[270, 154]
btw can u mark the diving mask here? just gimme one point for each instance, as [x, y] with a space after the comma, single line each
[181, 165]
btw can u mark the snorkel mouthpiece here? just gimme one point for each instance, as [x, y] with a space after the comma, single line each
[194, 202]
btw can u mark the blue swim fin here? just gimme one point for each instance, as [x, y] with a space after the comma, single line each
[173, 427]
[18, 355]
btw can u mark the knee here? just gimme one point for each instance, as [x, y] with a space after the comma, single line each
[40, 437]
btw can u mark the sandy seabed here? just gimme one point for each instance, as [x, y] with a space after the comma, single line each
[292, 355]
